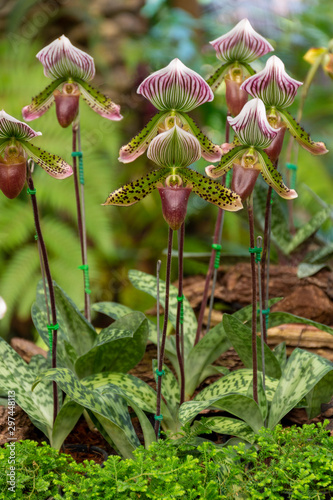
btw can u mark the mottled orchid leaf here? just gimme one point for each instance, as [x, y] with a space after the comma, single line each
[230, 427]
[274, 178]
[10, 127]
[321, 393]
[282, 318]
[272, 85]
[306, 230]
[226, 162]
[137, 190]
[211, 191]
[174, 148]
[262, 400]
[176, 87]
[242, 44]
[52, 164]
[302, 137]
[42, 102]
[210, 152]
[251, 125]
[239, 336]
[61, 59]
[99, 102]
[217, 77]
[302, 373]
[65, 422]
[112, 309]
[138, 145]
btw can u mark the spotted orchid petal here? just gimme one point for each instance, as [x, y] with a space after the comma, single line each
[42, 102]
[99, 102]
[12, 128]
[251, 125]
[226, 163]
[62, 60]
[273, 85]
[209, 150]
[135, 191]
[52, 164]
[138, 145]
[176, 87]
[174, 148]
[274, 178]
[242, 44]
[211, 191]
[302, 137]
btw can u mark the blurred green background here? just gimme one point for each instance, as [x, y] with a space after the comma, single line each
[128, 40]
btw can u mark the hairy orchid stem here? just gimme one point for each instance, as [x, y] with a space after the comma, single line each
[80, 208]
[158, 269]
[259, 245]
[45, 264]
[216, 241]
[180, 314]
[254, 300]
[164, 332]
[265, 260]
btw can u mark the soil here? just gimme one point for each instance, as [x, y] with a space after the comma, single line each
[309, 297]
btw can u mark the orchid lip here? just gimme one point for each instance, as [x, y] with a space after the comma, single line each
[242, 44]
[176, 87]
[273, 85]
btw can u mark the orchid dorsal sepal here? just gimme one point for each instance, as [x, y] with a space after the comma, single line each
[174, 148]
[176, 87]
[301, 136]
[242, 44]
[273, 85]
[251, 125]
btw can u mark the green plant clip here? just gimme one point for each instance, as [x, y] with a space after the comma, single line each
[51, 329]
[257, 252]
[293, 168]
[85, 269]
[265, 312]
[158, 373]
[218, 248]
[31, 191]
[181, 316]
[79, 155]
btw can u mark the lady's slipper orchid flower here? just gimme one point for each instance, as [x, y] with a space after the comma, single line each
[15, 148]
[70, 69]
[174, 91]
[174, 150]
[278, 90]
[236, 49]
[254, 134]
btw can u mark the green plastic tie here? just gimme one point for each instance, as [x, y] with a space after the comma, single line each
[228, 179]
[158, 373]
[31, 191]
[265, 312]
[293, 168]
[79, 155]
[85, 269]
[257, 252]
[217, 247]
[158, 417]
[51, 329]
[36, 237]
[181, 315]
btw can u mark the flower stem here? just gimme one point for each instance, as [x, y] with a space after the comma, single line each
[80, 207]
[254, 300]
[180, 314]
[266, 258]
[46, 267]
[164, 332]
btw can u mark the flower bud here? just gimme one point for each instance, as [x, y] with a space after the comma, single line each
[12, 171]
[174, 199]
[243, 180]
[67, 103]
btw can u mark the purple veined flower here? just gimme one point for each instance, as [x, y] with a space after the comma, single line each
[174, 150]
[70, 69]
[174, 91]
[15, 148]
[253, 135]
[277, 90]
[236, 49]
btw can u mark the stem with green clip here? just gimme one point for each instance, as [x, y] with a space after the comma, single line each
[180, 314]
[53, 327]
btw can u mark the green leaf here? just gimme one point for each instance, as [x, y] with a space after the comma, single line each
[305, 270]
[302, 137]
[245, 314]
[230, 426]
[206, 351]
[118, 347]
[321, 393]
[98, 101]
[282, 318]
[262, 401]
[170, 388]
[137, 190]
[112, 309]
[211, 191]
[52, 164]
[65, 422]
[217, 77]
[240, 337]
[147, 283]
[280, 352]
[308, 229]
[273, 177]
[302, 372]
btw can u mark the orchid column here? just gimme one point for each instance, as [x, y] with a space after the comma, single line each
[70, 70]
